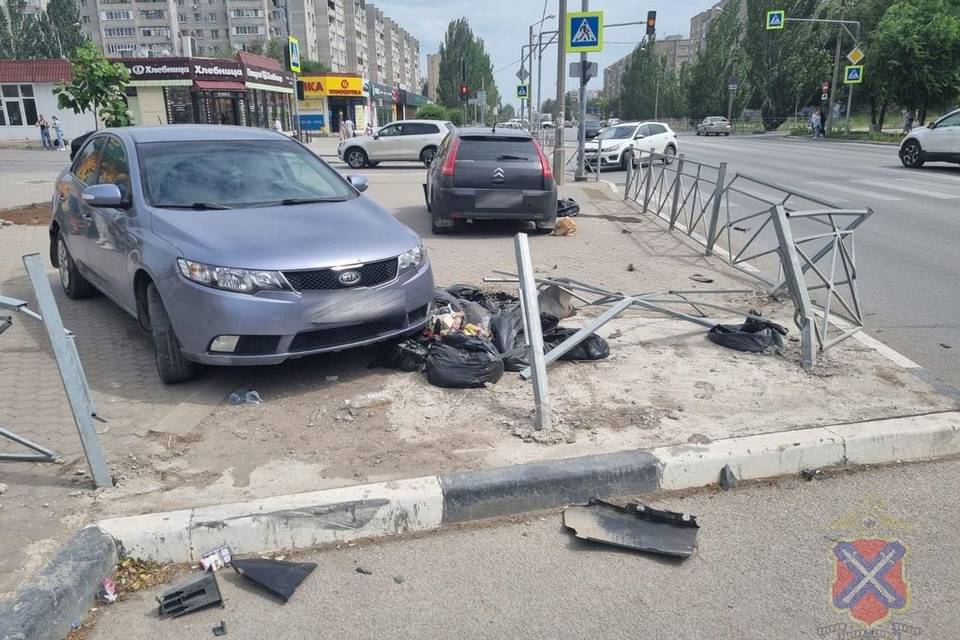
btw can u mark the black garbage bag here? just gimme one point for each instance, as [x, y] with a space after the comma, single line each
[462, 361]
[591, 348]
[493, 302]
[753, 336]
[409, 355]
[507, 329]
[567, 208]
[442, 298]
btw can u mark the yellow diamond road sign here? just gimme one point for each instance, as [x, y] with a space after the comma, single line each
[855, 56]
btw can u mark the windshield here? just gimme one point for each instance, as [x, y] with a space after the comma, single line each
[218, 174]
[493, 149]
[617, 133]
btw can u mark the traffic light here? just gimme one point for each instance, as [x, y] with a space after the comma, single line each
[651, 22]
[464, 92]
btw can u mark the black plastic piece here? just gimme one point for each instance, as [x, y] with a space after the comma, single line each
[196, 593]
[728, 479]
[634, 526]
[279, 577]
[220, 629]
[754, 335]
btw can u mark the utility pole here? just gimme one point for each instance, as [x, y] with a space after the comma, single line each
[539, 75]
[558, 129]
[529, 101]
[296, 102]
[833, 87]
[581, 137]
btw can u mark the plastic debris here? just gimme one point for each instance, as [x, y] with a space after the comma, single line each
[245, 396]
[753, 336]
[108, 591]
[196, 593]
[634, 526]
[699, 277]
[565, 227]
[364, 571]
[275, 576]
[369, 400]
[567, 208]
[811, 474]
[461, 361]
[215, 559]
[220, 629]
[728, 479]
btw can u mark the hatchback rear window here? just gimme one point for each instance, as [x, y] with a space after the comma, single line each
[496, 149]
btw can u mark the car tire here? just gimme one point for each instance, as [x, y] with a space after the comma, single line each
[426, 198]
[74, 284]
[546, 226]
[671, 153]
[726, 133]
[698, 131]
[911, 155]
[171, 365]
[427, 155]
[356, 158]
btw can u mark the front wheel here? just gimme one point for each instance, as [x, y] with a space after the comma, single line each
[73, 283]
[546, 226]
[670, 152]
[171, 365]
[911, 156]
[356, 158]
[427, 155]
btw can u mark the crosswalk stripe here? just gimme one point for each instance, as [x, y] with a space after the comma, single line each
[929, 193]
[829, 186]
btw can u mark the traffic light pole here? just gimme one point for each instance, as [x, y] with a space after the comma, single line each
[559, 129]
[581, 126]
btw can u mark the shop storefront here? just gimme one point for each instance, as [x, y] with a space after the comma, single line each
[410, 103]
[330, 98]
[382, 104]
[26, 93]
[250, 91]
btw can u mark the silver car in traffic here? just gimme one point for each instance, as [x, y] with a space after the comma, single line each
[234, 246]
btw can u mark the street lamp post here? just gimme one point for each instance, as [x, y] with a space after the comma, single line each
[530, 55]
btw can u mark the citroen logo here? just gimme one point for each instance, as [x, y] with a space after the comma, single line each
[498, 174]
[349, 278]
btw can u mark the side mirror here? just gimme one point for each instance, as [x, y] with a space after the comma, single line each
[931, 125]
[639, 136]
[103, 195]
[358, 182]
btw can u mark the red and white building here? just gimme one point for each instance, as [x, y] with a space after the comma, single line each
[26, 92]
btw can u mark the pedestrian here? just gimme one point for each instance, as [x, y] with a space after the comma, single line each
[343, 126]
[368, 130]
[58, 129]
[348, 124]
[277, 125]
[908, 121]
[815, 123]
[44, 132]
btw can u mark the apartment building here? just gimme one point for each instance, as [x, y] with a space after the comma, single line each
[376, 45]
[676, 51]
[613, 76]
[433, 74]
[700, 22]
[355, 27]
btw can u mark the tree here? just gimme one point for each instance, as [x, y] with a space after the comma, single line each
[549, 106]
[460, 43]
[507, 112]
[98, 85]
[313, 66]
[21, 37]
[63, 17]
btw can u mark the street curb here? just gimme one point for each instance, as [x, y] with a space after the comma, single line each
[57, 598]
[804, 139]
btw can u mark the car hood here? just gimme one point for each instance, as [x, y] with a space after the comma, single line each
[286, 237]
[607, 144]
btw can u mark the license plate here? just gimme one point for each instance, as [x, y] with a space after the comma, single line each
[500, 200]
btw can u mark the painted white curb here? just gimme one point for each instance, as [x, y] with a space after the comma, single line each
[912, 438]
[297, 521]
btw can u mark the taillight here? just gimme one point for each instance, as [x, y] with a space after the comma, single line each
[544, 164]
[450, 162]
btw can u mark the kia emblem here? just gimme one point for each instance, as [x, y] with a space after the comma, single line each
[349, 278]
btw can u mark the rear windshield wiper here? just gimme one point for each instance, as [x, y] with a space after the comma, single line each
[291, 201]
[509, 157]
[200, 206]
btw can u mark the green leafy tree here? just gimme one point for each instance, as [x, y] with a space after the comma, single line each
[63, 18]
[21, 36]
[460, 42]
[507, 112]
[98, 85]
[313, 66]
[639, 83]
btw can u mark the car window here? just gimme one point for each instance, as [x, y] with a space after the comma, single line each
[245, 173]
[85, 165]
[449, 125]
[950, 121]
[496, 149]
[618, 132]
[644, 130]
[391, 130]
[654, 129]
[420, 128]
[114, 168]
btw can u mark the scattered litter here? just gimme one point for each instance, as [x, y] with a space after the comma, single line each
[754, 335]
[245, 396]
[739, 228]
[220, 629]
[630, 267]
[556, 302]
[409, 355]
[366, 572]
[634, 526]
[627, 231]
[133, 574]
[811, 474]
[199, 591]
[698, 438]
[332, 378]
[108, 591]
[462, 361]
[946, 346]
[399, 579]
[567, 208]
[215, 559]
[369, 400]
[593, 347]
[565, 227]
[728, 479]
[699, 277]
[275, 576]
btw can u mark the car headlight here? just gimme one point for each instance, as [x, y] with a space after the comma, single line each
[614, 147]
[240, 280]
[413, 258]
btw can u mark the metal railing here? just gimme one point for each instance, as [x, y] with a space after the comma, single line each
[774, 233]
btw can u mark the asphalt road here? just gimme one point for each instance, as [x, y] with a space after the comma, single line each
[908, 272]
[764, 569]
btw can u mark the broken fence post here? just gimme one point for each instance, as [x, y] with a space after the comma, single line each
[718, 190]
[629, 178]
[793, 276]
[675, 205]
[649, 179]
[533, 331]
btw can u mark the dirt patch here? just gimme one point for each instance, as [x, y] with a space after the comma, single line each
[36, 214]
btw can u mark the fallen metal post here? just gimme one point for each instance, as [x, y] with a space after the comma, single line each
[793, 275]
[715, 208]
[42, 453]
[629, 178]
[533, 332]
[70, 373]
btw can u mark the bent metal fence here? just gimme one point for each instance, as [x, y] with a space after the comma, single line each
[792, 241]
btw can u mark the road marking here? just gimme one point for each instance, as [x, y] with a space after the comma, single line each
[858, 192]
[940, 195]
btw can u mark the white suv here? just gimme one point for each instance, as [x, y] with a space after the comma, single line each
[619, 143]
[939, 141]
[400, 140]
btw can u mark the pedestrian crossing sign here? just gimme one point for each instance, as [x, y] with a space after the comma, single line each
[584, 31]
[776, 19]
[522, 91]
[853, 74]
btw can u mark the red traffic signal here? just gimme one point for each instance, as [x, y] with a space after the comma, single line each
[464, 91]
[651, 22]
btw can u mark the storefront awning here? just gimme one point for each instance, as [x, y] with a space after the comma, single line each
[218, 85]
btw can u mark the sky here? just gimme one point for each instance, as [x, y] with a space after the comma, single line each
[503, 25]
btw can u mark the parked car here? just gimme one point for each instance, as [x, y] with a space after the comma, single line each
[612, 121]
[939, 141]
[402, 140]
[715, 125]
[657, 137]
[615, 144]
[483, 174]
[233, 246]
[591, 129]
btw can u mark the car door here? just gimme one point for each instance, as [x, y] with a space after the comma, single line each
[657, 137]
[111, 239]
[944, 137]
[642, 141]
[77, 218]
[387, 144]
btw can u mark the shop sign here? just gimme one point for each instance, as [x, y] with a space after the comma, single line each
[332, 85]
